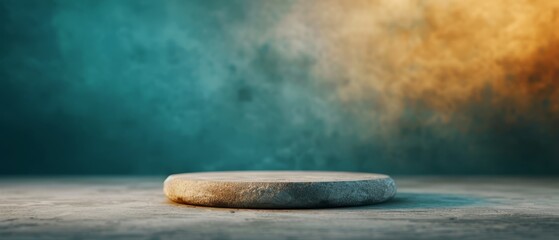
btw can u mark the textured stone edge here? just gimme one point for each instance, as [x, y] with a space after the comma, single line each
[279, 195]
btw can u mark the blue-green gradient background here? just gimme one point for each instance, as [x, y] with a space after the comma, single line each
[158, 87]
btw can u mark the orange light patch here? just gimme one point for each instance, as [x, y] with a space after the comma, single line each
[445, 54]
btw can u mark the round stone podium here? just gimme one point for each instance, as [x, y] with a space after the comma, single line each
[279, 189]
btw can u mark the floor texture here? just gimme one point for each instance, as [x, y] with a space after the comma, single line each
[135, 208]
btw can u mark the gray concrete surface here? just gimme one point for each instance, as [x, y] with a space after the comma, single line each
[279, 189]
[136, 208]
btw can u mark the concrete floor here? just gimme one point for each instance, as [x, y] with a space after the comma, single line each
[135, 208]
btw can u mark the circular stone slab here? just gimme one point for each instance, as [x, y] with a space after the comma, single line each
[279, 189]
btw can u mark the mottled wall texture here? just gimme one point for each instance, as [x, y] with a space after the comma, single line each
[393, 86]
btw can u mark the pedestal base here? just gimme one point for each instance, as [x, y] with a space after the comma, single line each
[279, 189]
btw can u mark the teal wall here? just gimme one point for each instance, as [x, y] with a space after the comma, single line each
[156, 87]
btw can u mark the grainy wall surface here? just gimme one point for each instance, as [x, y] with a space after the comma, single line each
[135, 208]
[151, 87]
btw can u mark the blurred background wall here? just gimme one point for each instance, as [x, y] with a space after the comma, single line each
[399, 87]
